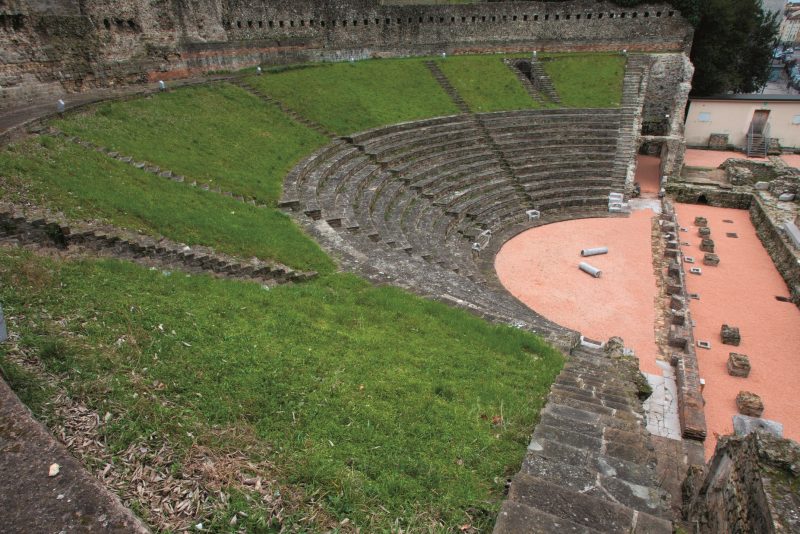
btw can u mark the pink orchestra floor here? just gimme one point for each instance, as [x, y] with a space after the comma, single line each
[540, 267]
[714, 158]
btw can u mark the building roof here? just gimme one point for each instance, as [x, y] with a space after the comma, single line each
[750, 98]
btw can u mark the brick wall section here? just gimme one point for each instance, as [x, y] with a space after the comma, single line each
[52, 47]
[681, 337]
[40, 227]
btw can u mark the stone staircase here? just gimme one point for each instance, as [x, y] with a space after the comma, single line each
[42, 228]
[283, 107]
[590, 466]
[524, 80]
[542, 82]
[442, 80]
[634, 87]
[757, 146]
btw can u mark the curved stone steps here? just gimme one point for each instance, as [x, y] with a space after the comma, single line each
[461, 182]
[316, 178]
[430, 185]
[570, 182]
[375, 140]
[292, 196]
[419, 147]
[436, 163]
[534, 139]
[558, 153]
[406, 203]
[533, 168]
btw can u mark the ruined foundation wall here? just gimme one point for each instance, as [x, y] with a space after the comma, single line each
[748, 486]
[48, 47]
[784, 256]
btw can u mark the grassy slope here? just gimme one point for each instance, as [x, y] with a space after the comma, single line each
[485, 83]
[381, 400]
[218, 132]
[348, 98]
[586, 80]
[86, 184]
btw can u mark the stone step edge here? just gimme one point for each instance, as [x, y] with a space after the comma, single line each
[44, 228]
[444, 83]
[618, 362]
[156, 170]
[286, 110]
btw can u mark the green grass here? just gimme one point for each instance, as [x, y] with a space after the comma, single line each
[218, 133]
[31, 390]
[351, 97]
[485, 83]
[381, 401]
[586, 80]
[85, 184]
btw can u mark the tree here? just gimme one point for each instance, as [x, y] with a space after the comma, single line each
[733, 43]
[732, 50]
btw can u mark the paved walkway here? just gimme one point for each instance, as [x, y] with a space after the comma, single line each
[33, 501]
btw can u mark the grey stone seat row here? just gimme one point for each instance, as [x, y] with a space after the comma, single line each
[41, 228]
[408, 202]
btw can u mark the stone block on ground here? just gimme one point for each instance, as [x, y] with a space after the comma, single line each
[730, 335]
[718, 141]
[743, 425]
[707, 245]
[700, 221]
[710, 259]
[749, 403]
[704, 231]
[738, 365]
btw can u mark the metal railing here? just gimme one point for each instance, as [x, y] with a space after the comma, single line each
[758, 143]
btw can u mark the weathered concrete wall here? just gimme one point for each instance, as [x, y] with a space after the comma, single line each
[748, 486]
[48, 47]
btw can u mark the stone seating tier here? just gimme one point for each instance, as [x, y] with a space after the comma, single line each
[409, 201]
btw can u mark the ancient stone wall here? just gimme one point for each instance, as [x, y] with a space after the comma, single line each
[749, 486]
[48, 47]
[666, 72]
[784, 256]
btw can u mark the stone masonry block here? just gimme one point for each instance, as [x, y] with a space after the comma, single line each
[707, 245]
[749, 404]
[700, 221]
[710, 259]
[738, 365]
[730, 335]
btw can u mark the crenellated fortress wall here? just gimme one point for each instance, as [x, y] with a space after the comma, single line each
[52, 47]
